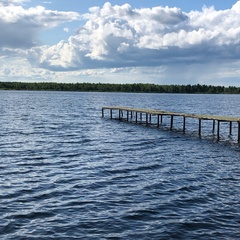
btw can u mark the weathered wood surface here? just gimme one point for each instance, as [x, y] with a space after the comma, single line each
[188, 115]
[159, 113]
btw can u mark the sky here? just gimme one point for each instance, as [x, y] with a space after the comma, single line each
[161, 42]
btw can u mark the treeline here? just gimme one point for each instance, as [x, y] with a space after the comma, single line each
[108, 87]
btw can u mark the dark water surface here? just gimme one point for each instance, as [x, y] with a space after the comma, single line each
[66, 173]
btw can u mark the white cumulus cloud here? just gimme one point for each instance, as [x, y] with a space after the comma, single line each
[160, 43]
[120, 36]
[12, 2]
[20, 27]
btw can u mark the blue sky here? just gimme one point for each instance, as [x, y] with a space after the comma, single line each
[83, 6]
[162, 42]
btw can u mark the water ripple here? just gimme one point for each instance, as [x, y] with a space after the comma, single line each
[68, 174]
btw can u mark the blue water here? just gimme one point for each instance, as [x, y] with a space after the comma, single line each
[67, 173]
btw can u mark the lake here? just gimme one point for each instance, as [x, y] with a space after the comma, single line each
[67, 173]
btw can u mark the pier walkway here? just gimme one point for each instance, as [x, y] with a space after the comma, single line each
[145, 116]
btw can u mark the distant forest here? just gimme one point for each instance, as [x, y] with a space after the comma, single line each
[108, 87]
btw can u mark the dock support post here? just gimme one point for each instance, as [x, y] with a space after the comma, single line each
[218, 131]
[200, 128]
[146, 119]
[213, 129]
[119, 114]
[102, 112]
[158, 121]
[171, 125]
[136, 118]
[127, 116]
[111, 113]
[184, 124]
[230, 128]
[150, 118]
[238, 132]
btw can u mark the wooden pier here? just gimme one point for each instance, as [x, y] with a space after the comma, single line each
[145, 116]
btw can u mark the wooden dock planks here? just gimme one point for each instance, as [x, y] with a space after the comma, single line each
[159, 113]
